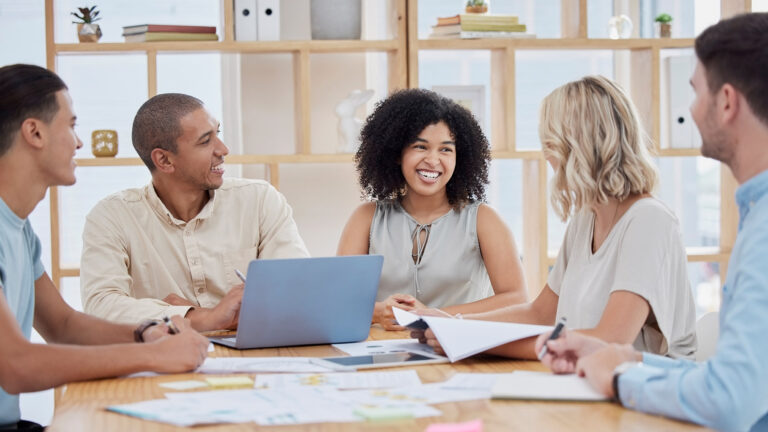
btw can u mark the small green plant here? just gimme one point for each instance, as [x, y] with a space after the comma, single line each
[87, 15]
[664, 18]
[477, 3]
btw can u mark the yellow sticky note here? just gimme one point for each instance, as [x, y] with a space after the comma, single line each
[230, 381]
[382, 414]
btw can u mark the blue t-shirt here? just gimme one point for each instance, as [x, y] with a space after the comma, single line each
[20, 267]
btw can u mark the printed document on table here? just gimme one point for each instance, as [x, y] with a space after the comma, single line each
[343, 380]
[423, 394]
[387, 346]
[472, 381]
[544, 386]
[213, 365]
[265, 407]
[461, 338]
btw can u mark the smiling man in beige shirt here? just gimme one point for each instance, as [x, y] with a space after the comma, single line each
[172, 247]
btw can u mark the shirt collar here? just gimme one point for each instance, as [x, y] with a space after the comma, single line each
[162, 211]
[752, 191]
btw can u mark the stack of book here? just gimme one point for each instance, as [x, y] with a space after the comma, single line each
[474, 26]
[167, 32]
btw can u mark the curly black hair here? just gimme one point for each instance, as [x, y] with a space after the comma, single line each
[396, 122]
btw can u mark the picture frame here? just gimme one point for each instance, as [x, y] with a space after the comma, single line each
[471, 97]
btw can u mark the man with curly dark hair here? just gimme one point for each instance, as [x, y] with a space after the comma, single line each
[423, 163]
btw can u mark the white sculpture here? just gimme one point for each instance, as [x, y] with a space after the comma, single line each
[349, 126]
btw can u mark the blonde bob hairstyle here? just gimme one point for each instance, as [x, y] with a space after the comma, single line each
[591, 131]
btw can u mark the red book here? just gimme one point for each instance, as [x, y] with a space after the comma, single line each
[143, 28]
[452, 20]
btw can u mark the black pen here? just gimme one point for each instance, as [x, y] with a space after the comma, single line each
[555, 334]
[172, 329]
[240, 275]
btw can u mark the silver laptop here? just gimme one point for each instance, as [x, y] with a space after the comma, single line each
[306, 301]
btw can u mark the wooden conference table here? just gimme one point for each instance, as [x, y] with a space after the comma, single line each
[80, 406]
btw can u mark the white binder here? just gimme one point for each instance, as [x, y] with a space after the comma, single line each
[269, 20]
[246, 20]
[682, 131]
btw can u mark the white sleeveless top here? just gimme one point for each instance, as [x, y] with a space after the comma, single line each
[449, 268]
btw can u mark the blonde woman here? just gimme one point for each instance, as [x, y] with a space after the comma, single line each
[621, 271]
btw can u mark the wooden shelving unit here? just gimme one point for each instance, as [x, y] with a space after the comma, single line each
[644, 64]
[403, 71]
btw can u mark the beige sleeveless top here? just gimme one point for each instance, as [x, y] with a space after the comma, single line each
[448, 267]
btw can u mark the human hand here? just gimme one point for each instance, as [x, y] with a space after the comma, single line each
[222, 317]
[564, 352]
[431, 340]
[181, 352]
[598, 367]
[175, 300]
[382, 311]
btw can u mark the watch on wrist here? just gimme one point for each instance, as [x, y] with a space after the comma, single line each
[620, 369]
[138, 333]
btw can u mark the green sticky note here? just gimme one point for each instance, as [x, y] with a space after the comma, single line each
[183, 385]
[382, 413]
[231, 381]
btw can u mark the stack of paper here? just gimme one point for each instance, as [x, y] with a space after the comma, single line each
[463, 338]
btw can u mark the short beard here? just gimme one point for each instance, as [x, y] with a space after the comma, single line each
[717, 146]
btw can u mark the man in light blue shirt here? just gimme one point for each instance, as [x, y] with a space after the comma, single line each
[37, 147]
[730, 390]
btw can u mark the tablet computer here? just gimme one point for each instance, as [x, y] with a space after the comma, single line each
[385, 360]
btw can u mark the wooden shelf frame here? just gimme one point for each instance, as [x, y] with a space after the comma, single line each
[301, 51]
[643, 59]
[403, 63]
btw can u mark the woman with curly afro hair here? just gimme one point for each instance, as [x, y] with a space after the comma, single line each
[423, 163]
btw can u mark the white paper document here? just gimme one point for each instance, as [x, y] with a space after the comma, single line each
[544, 386]
[472, 381]
[214, 365]
[265, 407]
[343, 380]
[386, 346]
[423, 394]
[461, 338]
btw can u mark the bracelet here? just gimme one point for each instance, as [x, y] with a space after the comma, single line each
[138, 333]
[616, 397]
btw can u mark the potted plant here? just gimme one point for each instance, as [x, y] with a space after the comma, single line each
[476, 6]
[87, 31]
[665, 28]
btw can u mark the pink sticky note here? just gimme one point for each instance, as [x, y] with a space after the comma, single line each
[470, 426]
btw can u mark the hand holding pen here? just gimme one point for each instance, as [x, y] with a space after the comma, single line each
[172, 329]
[555, 334]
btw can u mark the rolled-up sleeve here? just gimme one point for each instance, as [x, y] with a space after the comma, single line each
[105, 281]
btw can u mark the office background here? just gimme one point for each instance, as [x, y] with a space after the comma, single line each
[254, 94]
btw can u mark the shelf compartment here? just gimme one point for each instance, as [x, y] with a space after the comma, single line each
[315, 46]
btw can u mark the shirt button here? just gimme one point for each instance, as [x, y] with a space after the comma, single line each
[187, 233]
[194, 261]
[200, 290]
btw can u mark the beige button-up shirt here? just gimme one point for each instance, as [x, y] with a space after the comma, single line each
[135, 253]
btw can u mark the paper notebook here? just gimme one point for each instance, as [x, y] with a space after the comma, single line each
[463, 338]
[544, 386]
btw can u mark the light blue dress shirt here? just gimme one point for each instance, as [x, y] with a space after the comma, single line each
[20, 267]
[730, 390]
